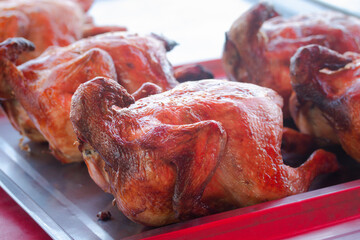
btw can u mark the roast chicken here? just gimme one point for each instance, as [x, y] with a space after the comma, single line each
[326, 99]
[203, 147]
[45, 23]
[44, 86]
[260, 43]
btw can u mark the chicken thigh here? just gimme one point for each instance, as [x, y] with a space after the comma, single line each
[327, 93]
[260, 43]
[200, 148]
[44, 86]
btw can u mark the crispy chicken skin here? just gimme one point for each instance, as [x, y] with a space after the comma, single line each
[200, 148]
[260, 43]
[326, 98]
[44, 86]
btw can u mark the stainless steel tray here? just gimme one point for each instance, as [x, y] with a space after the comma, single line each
[61, 198]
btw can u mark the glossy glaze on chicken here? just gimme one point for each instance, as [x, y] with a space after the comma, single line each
[260, 43]
[44, 86]
[200, 148]
[327, 96]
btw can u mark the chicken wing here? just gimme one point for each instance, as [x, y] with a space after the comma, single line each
[200, 148]
[260, 43]
[44, 86]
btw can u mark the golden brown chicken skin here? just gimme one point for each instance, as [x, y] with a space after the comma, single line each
[326, 99]
[260, 43]
[44, 86]
[200, 148]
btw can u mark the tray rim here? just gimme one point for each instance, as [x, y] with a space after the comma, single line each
[208, 225]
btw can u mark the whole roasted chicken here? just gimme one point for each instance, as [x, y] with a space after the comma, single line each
[45, 23]
[260, 44]
[326, 99]
[200, 148]
[44, 86]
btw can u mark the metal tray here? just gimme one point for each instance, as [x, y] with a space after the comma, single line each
[64, 200]
[61, 198]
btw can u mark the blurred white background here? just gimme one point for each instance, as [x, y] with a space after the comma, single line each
[198, 26]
